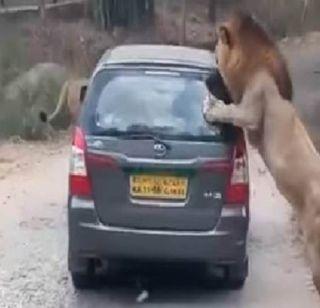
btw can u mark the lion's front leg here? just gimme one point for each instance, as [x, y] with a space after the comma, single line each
[239, 115]
[219, 112]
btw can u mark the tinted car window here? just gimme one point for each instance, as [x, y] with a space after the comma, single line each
[165, 103]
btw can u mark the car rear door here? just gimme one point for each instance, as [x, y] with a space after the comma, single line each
[132, 187]
[176, 182]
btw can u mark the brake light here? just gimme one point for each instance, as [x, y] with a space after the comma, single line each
[79, 182]
[238, 188]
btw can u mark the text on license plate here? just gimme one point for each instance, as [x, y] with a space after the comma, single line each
[161, 187]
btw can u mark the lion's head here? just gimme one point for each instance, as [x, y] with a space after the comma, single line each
[244, 48]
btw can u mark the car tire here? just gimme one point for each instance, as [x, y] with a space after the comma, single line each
[236, 275]
[86, 279]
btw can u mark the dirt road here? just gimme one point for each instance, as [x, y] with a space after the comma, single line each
[304, 61]
[33, 234]
[33, 242]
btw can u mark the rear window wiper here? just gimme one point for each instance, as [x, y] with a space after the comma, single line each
[144, 136]
[133, 135]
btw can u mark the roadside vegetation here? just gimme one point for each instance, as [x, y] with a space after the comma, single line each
[75, 43]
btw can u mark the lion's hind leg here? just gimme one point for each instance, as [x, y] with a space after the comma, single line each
[311, 230]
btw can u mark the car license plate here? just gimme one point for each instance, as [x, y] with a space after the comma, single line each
[158, 187]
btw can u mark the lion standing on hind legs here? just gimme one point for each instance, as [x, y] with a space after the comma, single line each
[256, 76]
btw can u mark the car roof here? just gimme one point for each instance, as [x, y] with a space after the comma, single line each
[159, 55]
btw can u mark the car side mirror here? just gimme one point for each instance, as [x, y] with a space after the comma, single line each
[83, 91]
[217, 87]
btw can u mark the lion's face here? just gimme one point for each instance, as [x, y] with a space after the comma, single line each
[243, 49]
[227, 57]
[223, 51]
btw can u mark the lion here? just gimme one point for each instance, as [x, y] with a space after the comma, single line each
[31, 91]
[71, 97]
[253, 71]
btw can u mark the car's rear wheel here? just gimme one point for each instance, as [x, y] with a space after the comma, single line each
[236, 275]
[85, 279]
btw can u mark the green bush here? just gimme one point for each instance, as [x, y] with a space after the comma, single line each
[12, 63]
[12, 60]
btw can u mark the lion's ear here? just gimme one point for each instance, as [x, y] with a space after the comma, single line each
[225, 36]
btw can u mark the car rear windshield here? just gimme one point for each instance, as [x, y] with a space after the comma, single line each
[164, 103]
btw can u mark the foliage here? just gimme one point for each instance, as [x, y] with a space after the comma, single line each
[110, 13]
[12, 60]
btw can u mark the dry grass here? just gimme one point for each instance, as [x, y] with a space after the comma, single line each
[77, 46]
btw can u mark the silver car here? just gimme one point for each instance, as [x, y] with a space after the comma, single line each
[149, 180]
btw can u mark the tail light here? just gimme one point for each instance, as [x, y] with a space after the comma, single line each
[238, 187]
[79, 182]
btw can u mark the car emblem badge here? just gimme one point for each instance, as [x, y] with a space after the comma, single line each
[160, 149]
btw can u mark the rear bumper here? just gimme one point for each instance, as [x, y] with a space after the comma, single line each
[88, 238]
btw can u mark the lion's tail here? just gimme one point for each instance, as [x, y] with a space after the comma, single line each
[44, 117]
[62, 101]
